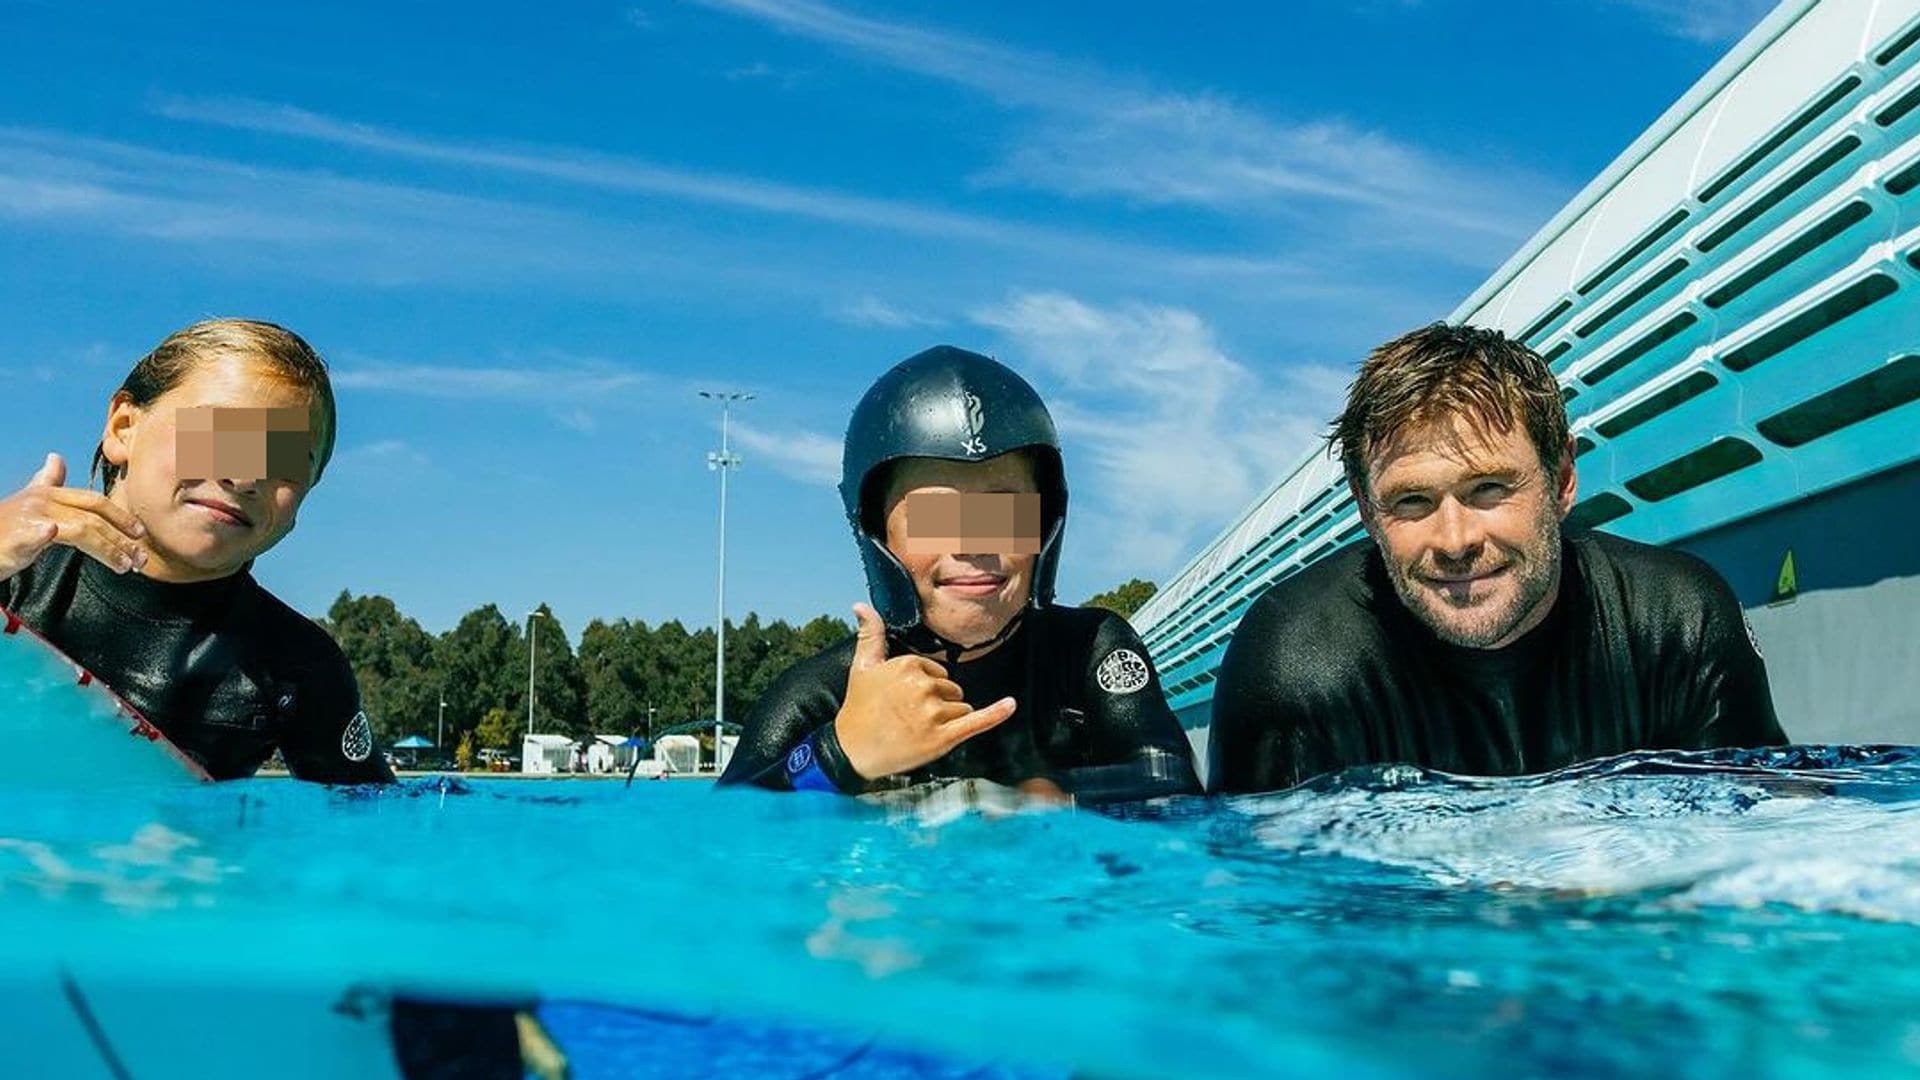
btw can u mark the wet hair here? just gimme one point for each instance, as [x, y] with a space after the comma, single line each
[276, 348]
[1441, 371]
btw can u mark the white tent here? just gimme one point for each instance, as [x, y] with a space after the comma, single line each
[727, 745]
[609, 753]
[545, 753]
[679, 753]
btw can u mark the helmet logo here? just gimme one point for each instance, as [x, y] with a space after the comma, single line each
[1122, 672]
[976, 423]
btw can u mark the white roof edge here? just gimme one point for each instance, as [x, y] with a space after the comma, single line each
[1778, 22]
[1306, 462]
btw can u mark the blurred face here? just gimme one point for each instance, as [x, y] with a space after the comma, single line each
[1468, 522]
[971, 558]
[216, 468]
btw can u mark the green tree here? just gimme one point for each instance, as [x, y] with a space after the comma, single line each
[747, 649]
[623, 668]
[628, 668]
[820, 633]
[1126, 599]
[614, 668]
[482, 663]
[498, 729]
[559, 701]
[773, 655]
[767, 655]
[392, 660]
[684, 690]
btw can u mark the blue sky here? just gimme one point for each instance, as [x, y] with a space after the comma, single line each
[525, 236]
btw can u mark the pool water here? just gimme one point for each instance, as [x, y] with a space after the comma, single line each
[1709, 914]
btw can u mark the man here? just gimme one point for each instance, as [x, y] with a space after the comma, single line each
[963, 665]
[1471, 636]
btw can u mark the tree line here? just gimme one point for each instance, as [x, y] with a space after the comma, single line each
[606, 686]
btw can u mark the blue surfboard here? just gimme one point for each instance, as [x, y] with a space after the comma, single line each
[80, 731]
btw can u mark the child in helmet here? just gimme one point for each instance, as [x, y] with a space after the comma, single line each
[963, 665]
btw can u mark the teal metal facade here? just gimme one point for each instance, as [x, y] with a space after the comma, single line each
[1733, 311]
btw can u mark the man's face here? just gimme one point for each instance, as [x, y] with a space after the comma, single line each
[1468, 522]
[968, 533]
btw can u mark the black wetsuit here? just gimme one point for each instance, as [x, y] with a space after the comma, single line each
[224, 670]
[1645, 648]
[1091, 717]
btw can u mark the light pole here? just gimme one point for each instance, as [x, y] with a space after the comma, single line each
[724, 461]
[649, 721]
[531, 640]
[440, 725]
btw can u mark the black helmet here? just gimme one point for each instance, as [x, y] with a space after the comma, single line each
[959, 406]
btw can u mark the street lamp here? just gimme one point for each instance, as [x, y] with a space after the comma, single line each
[724, 461]
[649, 721]
[440, 726]
[531, 641]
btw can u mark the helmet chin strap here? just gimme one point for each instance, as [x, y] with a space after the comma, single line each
[923, 640]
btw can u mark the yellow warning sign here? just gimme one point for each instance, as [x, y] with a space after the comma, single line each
[1787, 585]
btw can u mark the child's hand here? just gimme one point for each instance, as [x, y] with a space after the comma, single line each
[904, 712]
[45, 512]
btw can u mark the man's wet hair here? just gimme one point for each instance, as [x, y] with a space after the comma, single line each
[279, 350]
[1441, 371]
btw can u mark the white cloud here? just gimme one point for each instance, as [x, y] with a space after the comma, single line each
[1178, 435]
[1711, 22]
[806, 456]
[52, 178]
[576, 419]
[1095, 135]
[570, 393]
[383, 452]
[579, 385]
[326, 226]
[59, 362]
[340, 227]
[570, 165]
[637, 177]
[381, 462]
[1011, 76]
[40, 373]
[35, 197]
[761, 71]
[870, 310]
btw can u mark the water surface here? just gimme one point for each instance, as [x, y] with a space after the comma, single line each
[1718, 914]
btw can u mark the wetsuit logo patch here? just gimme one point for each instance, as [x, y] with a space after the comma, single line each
[356, 743]
[798, 761]
[1122, 672]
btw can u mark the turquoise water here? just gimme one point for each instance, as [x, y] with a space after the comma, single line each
[1713, 915]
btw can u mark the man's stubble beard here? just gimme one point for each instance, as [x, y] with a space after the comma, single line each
[1536, 570]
